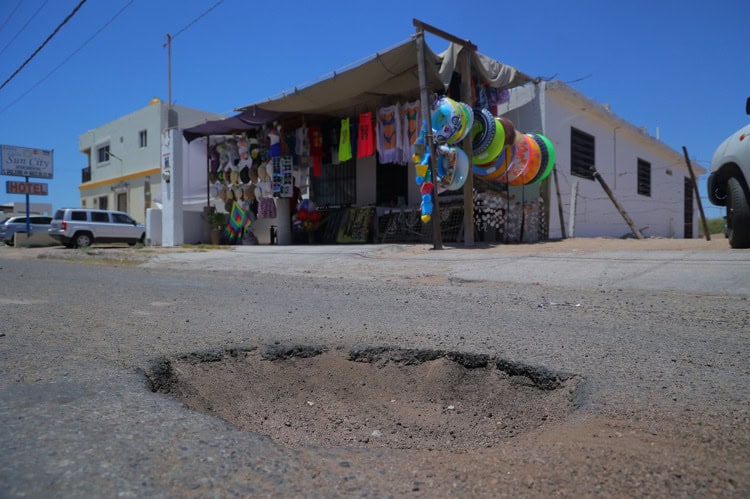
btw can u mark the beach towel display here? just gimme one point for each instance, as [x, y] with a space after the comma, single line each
[388, 134]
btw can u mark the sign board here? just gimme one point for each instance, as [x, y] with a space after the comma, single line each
[25, 162]
[13, 187]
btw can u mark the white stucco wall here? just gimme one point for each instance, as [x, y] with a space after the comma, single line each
[618, 146]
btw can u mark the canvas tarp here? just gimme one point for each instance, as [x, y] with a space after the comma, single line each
[393, 72]
[248, 119]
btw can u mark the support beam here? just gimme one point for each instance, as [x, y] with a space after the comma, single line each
[697, 194]
[617, 204]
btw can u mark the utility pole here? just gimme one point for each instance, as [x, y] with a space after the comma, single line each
[169, 70]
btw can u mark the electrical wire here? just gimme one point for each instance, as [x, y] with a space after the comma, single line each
[197, 19]
[80, 47]
[23, 27]
[10, 16]
[73, 12]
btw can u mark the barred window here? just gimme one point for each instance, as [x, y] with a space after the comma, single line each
[337, 186]
[582, 153]
[644, 178]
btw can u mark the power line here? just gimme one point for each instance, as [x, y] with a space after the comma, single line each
[44, 43]
[24, 27]
[197, 19]
[111, 20]
[10, 16]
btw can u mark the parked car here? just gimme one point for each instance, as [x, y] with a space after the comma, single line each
[728, 184]
[17, 225]
[81, 227]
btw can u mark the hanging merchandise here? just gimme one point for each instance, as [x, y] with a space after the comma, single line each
[365, 136]
[316, 149]
[452, 167]
[411, 115]
[450, 120]
[239, 223]
[548, 157]
[423, 173]
[527, 155]
[509, 130]
[495, 146]
[345, 141]
[493, 170]
[389, 134]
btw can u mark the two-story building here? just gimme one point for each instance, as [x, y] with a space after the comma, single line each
[123, 169]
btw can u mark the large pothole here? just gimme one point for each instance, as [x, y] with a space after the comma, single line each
[368, 397]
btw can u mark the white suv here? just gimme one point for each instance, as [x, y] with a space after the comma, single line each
[728, 184]
[80, 227]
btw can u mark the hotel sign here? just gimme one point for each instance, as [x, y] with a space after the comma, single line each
[37, 188]
[25, 162]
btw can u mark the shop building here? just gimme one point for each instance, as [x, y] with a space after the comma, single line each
[311, 138]
[123, 158]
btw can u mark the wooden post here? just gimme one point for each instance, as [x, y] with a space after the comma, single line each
[619, 207]
[573, 202]
[697, 194]
[559, 203]
[437, 237]
[467, 147]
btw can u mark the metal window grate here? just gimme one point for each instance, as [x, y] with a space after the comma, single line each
[337, 186]
[582, 153]
[644, 177]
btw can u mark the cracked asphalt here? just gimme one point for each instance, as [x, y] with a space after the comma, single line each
[656, 331]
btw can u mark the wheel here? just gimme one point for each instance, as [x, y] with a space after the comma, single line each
[83, 239]
[738, 214]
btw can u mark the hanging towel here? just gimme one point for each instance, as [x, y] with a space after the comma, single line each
[411, 118]
[389, 136]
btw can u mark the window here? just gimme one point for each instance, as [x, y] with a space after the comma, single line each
[336, 186]
[582, 153]
[103, 202]
[102, 154]
[78, 216]
[143, 138]
[121, 218]
[644, 178]
[98, 216]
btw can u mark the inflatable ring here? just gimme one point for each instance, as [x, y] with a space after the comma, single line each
[546, 169]
[445, 116]
[467, 121]
[521, 159]
[510, 130]
[545, 156]
[533, 166]
[482, 131]
[498, 167]
[495, 147]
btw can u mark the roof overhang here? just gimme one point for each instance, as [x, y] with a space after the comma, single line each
[390, 73]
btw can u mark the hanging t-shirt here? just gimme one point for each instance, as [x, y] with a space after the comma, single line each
[389, 135]
[301, 142]
[411, 112]
[365, 136]
[345, 142]
[316, 149]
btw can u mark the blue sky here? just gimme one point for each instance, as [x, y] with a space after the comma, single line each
[677, 66]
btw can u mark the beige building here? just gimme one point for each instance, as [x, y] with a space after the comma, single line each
[124, 157]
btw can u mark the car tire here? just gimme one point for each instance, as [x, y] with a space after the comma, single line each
[83, 239]
[738, 214]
